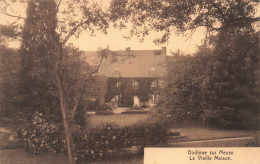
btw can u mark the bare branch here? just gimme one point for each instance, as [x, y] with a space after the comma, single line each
[99, 64]
[77, 103]
[71, 84]
[210, 27]
[192, 32]
[245, 20]
[58, 5]
[74, 109]
[10, 15]
[72, 32]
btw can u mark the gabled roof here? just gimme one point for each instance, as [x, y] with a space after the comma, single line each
[131, 63]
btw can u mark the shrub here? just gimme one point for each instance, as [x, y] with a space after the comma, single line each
[38, 136]
[232, 119]
[133, 111]
[109, 105]
[95, 143]
[174, 132]
[149, 134]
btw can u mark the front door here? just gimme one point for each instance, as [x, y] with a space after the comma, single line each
[136, 101]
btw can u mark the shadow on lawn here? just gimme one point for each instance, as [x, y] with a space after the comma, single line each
[195, 131]
[117, 158]
[17, 156]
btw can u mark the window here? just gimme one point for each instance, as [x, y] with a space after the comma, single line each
[154, 84]
[153, 99]
[118, 84]
[152, 72]
[135, 84]
[116, 72]
[118, 98]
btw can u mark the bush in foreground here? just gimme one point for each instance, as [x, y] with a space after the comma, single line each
[97, 142]
[37, 135]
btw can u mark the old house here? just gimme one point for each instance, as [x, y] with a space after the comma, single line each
[131, 77]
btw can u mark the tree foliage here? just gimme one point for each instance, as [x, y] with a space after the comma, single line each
[183, 96]
[223, 79]
[232, 88]
[9, 81]
[9, 71]
[53, 75]
[182, 15]
[38, 60]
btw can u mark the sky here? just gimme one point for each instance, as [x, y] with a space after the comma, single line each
[115, 38]
[115, 41]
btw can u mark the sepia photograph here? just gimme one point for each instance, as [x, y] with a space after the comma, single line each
[129, 81]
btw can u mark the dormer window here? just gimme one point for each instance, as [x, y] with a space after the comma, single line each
[116, 72]
[152, 72]
[154, 84]
[135, 84]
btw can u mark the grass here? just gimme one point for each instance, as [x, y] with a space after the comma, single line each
[196, 131]
[20, 156]
[192, 130]
[241, 142]
[120, 119]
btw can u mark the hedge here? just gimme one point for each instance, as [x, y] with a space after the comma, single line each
[38, 136]
[97, 142]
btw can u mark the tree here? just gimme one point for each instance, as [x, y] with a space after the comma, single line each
[183, 95]
[38, 60]
[231, 89]
[182, 16]
[54, 26]
[9, 71]
[9, 80]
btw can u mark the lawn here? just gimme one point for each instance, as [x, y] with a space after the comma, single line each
[192, 130]
[120, 119]
[196, 131]
[20, 156]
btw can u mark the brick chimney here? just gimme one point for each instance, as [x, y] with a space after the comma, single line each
[164, 51]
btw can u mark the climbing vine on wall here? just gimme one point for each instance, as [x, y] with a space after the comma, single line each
[126, 91]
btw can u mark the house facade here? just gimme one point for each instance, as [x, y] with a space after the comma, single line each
[131, 81]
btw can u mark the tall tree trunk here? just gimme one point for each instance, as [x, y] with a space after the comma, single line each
[64, 109]
[63, 102]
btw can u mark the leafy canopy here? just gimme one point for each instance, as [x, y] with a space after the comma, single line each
[182, 15]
